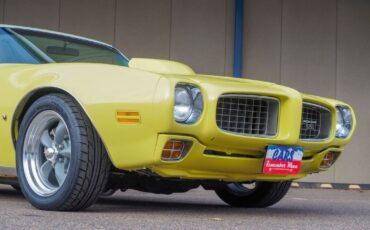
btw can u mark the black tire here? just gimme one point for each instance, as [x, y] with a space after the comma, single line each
[89, 165]
[263, 195]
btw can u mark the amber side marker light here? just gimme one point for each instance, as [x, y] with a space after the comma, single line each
[128, 117]
[175, 150]
[329, 159]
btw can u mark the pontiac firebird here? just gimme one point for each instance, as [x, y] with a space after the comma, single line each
[80, 120]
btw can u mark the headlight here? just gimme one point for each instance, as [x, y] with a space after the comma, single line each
[188, 104]
[344, 121]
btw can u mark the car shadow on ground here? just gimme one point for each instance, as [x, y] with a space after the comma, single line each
[129, 204]
[186, 205]
[9, 192]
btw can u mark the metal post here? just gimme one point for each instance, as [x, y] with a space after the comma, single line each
[238, 38]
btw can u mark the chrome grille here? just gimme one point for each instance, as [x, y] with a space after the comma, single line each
[316, 122]
[247, 114]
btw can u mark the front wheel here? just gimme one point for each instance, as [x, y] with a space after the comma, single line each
[61, 161]
[253, 195]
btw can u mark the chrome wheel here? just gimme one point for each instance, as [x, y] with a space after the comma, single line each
[59, 155]
[46, 153]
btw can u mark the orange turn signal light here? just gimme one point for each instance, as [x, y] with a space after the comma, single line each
[329, 159]
[175, 150]
[128, 117]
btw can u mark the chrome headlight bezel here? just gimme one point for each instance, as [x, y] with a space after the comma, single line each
[188, 106]
[344, 121]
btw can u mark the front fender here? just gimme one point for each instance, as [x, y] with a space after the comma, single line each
[103, 91]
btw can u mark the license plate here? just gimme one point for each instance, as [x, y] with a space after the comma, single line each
[283, 160]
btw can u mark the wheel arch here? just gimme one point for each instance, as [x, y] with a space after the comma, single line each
[31, 97]
[91, 167]
[26, 102]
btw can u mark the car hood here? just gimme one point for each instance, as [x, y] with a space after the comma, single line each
[201, 78]
[179, 70]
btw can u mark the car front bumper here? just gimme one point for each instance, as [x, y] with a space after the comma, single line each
[244, 166]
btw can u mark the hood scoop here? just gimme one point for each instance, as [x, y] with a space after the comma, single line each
[160, 66]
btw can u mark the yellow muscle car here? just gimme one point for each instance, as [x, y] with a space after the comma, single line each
[79, 120]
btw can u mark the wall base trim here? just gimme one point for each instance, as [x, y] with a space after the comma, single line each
[342, 186]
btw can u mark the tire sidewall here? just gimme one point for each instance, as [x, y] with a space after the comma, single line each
[56, 104]
[265, 194]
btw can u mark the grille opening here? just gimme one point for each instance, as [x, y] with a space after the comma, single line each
[316, 122]
[224, 154]
[247, 114]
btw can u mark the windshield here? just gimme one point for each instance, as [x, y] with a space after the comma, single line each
[35, 47]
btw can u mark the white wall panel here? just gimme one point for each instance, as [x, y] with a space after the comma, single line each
[262, 39]
[36, 13]
[90, 18]
[143, 28]
[309, 46]
[198, 34]
[1, 11]
[229, 38]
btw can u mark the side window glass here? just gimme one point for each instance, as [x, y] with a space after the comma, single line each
[12, 51]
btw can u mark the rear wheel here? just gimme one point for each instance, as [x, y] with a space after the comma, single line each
[254, 195]
[61, 161]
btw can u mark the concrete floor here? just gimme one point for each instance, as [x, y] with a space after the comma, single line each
[197, 209]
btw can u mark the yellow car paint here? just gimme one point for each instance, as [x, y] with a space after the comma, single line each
[132, 110]
[160, 66]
